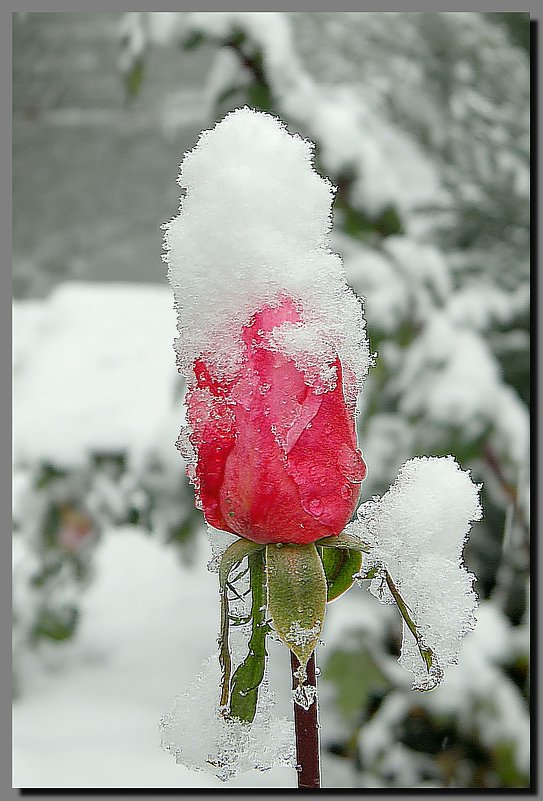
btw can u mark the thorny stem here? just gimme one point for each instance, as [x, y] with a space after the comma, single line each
[307, 730]
[224, 651]
[250, 673]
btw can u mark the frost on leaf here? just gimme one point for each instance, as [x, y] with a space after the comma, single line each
[419, 528]
[198, 735]
[298, 635]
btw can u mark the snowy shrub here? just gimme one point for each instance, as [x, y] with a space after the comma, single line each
[94, 454]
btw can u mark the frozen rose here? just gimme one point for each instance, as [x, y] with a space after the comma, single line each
[277, 458]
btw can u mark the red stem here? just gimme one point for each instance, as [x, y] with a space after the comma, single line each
[307, 731]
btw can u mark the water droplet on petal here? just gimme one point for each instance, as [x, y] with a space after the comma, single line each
[315, 506]
[351, 464]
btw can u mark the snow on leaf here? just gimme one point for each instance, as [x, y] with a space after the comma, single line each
[420, 526]
[224, 747]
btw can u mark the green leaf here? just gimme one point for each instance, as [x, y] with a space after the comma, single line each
[250, 673]
[133, 78]
[192, 41]
[344, 540]
[260, 97]
[56, 625]
[369, 573]
[339, 567]
[47, 474]
[355, 676]
[428, 656]
[296, 596]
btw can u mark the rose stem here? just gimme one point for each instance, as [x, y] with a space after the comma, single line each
[307, 730]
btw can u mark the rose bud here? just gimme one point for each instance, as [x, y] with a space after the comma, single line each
[271, 339]
[275, 447]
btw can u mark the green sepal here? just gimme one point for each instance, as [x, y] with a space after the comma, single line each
[344, 540]
[296, 596]
[250, 673]
[339, 566]
[233, 555]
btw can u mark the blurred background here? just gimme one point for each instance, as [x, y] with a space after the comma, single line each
[422, 122]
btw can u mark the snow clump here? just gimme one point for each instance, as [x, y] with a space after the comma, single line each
[201, 738]
[417, 531]
[254, 226]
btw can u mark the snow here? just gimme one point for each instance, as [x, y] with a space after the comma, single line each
[477, 692]
[512, 427]
[298, 635]
[26, 320]
[387, 165]
[225, 747]
[304, 695]
[402, 280]
[163, 26]
[93, 371]
[147, 624]
[417, 531]
[481, 304]
[449, 376]
[254, 226]
[388, 442]
[374, 277]
[424, 270]
[219, 542]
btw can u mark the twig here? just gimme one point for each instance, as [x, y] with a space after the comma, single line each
[508, 490]
[307, 730]
[224, 651]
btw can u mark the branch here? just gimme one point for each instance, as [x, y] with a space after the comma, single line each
[307, 730]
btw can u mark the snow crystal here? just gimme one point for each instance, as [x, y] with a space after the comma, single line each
[304, 695]
[420, 526]
[298, 635]
[253, 226]
[219, 542]
[201, 738]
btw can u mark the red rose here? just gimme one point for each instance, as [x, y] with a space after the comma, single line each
[276, 458]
